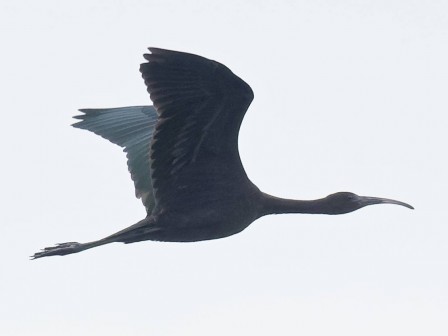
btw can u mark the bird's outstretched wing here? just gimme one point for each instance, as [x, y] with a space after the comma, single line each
[131, 128]
[201, 104]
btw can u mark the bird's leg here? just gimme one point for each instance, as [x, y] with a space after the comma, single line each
[68, 248]
[134, 233]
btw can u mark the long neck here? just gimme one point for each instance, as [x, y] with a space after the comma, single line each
[276, 205]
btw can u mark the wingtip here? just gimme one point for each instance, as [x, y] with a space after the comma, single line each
[154, 52]
[90, 110]
[36, 255]
[155, 49]
[80, 116]
[84, 112]
[80, 119]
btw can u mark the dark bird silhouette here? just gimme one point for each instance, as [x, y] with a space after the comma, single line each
[183, 157]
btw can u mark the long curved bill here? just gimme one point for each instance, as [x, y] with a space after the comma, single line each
[378, 200]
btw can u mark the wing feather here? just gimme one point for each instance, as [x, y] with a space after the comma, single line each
[131, 128]
[201, 104]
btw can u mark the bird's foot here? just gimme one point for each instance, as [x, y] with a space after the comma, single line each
[59, 249]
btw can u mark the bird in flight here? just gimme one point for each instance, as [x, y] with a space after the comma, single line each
[183, 157]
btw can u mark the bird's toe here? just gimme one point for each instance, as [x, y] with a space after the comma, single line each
[59, 249]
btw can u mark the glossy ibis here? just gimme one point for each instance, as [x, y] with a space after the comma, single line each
[183, 157]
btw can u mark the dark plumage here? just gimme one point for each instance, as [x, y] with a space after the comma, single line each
[183, 156]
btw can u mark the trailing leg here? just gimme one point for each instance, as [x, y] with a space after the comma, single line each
[133, 233]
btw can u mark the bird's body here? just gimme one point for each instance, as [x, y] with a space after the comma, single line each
[183, 156]
[209, 210]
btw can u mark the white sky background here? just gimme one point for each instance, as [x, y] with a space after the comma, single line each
[349, 96]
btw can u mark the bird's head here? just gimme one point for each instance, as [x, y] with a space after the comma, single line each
[344, 202]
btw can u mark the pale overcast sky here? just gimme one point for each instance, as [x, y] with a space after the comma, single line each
[349, 96]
